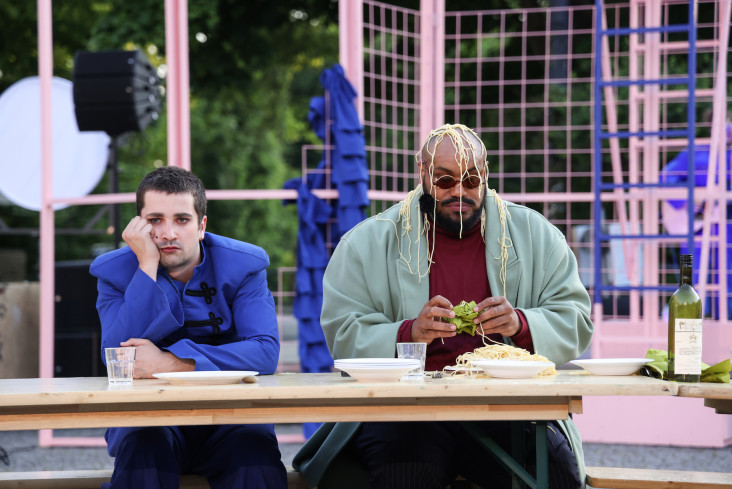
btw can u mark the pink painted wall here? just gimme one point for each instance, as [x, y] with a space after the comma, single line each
[624, 339]
[653, 421]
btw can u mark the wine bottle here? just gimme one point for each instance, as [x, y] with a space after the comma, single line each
[685, 328]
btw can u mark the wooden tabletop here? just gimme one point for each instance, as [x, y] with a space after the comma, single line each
[297, 398]
[705, 390]
[716, 396]
[96, 390]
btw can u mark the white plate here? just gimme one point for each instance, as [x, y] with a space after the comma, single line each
[512, 369]
[385, 374]
[206, 378]
[612, 366]
[375, 362]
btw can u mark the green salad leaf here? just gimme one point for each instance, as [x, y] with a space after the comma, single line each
[464, 316]
[658, 368]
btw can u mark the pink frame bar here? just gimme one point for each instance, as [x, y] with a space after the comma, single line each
[47, 231]
[350, 44]
[176, 41]
[431, 69]
[717, 165]
[261, 194]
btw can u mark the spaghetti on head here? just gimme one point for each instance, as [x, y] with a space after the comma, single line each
[468, 149]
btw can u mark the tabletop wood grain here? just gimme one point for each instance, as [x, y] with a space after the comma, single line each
[96, 390]
[299, 398]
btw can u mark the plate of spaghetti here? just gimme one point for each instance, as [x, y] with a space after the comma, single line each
[513, 369]
[505, 361]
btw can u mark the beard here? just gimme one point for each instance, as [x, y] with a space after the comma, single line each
[443, 220]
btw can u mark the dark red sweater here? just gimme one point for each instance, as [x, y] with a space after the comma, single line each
[459, 273]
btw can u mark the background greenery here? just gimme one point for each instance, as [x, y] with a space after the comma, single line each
[254, 65]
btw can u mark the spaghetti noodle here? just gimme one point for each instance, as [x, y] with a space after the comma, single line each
[500, 351]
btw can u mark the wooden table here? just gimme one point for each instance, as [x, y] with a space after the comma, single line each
[297, 398]
[61, 403]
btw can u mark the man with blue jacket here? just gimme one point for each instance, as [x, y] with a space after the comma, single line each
[188, 300]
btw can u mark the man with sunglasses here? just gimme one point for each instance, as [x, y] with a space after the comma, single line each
[396, 277]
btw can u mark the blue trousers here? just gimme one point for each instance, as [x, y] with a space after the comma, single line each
[427, 455]
[229, 456]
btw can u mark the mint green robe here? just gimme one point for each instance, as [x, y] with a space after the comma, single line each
[377, 278]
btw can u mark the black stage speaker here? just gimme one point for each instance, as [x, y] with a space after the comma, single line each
[115, 91]
[77, 338]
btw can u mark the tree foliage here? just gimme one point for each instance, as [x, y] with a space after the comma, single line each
[253, 67]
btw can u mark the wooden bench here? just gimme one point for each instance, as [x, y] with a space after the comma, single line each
[622, 478]
[88, 479]
[597, 477]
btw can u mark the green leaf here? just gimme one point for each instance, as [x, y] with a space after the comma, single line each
[658, 368]
[464, 316]
[717, 373]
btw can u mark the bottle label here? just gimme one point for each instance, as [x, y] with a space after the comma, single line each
[688, 346]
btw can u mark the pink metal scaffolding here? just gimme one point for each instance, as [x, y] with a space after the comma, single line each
[648, 54]
[416, 69]
[537, 125]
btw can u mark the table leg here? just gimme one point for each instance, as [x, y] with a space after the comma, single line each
[505, 458]
[518, 449]
[542, 456]
[511, 462]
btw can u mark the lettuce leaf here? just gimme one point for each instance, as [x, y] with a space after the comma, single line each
[464, 316]
[658, 368]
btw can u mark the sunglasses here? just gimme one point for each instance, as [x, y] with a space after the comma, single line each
[446, 181]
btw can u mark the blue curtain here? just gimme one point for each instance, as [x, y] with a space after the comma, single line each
[349, 175]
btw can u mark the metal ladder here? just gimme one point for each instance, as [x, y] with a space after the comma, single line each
[636, 207]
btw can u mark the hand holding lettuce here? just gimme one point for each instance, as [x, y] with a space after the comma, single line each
[464, 316]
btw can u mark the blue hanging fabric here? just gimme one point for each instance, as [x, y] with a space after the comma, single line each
[312, 258]
[349, 175]
[348, 158]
